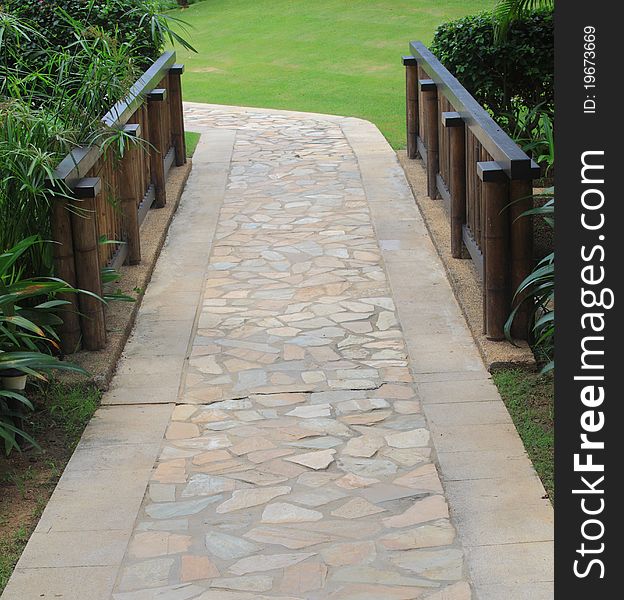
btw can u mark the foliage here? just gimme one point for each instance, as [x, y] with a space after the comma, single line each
[27, 338]
[538, 289]
[508, 11]
[119, 19]
[529, 397]
[507, 76]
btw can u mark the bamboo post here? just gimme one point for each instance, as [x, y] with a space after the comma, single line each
[130, 195]
[457, 178]
[496, 250]
[87, 262]
[155, 114]
[430, 105]
[64, 268]
[177, 113]
[411, 104]
[521, 199]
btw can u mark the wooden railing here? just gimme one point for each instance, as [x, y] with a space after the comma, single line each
[482, 176]
[111, 196]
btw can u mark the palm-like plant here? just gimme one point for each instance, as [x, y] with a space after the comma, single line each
[507, 11]
[27, 336]
[538, 289]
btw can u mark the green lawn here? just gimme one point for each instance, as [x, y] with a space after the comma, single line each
[328, 56]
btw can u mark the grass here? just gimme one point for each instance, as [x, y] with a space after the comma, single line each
[192, 139]
[329, 56]
[28, 479]
[529, 399]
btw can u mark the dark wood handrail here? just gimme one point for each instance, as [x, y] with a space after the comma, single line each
[511, 158]
[81, 160]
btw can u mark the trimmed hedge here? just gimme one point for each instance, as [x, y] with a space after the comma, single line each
[118, 18]
[516, 71]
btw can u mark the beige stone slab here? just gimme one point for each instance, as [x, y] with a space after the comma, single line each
[74, 549]
[457, 390]
[468, 413]
[501, 511]
[518, 565]
[470, 438]
[69, 583]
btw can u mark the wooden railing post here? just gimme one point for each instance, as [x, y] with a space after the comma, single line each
[130, 195]
[177, 113]
[64, 268]
[457, 176]
[496, 303]
[155, 112]
[88, 276]
[521, 200]
[430, 109]
[411, 104]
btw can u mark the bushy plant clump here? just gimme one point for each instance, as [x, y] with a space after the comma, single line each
[122, 19]
[507, 75]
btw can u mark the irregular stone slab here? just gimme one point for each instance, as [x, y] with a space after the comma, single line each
[150, 544]
[437, 533]
[303, 577]
[282, 512]
[294, 539]
[194, 568]
[159, 492]
[229, 547]
[317, 497]
[314, 460]
[202, 484]
[444, 564]
[253, 497]
[211, 456]
[315, 479]
[246, 583]
[327, 426]
[352, 481]
[311, 411]
[325, 442]
[369, 418]
[423, 478]
[457, 591]
[171, 510]
[167, 525]
[254, 444]
[409, 439]
[170, 592]
[407, 457]
[428, 509]
[367, 467]
[259, 478]
[368, 574]
[375, 592]
[364, 446]
[349, 553]
[152, 573]
[356, 508]
[268, 562]
[362, 405]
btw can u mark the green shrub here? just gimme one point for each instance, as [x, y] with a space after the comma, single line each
[506, 75]
[113, 16]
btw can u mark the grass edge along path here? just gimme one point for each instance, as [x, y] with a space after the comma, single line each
[529, 398]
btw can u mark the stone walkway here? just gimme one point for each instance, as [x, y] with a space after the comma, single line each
[266, 410]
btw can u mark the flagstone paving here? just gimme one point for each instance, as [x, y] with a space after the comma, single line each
[270, 430]
[298, 463]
